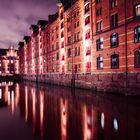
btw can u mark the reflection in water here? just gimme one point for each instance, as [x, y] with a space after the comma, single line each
[63, 110]
[55, 114]
[41, 113]
[26, 103]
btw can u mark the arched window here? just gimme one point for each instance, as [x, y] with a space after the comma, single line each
[115, 61]
[137, 58]
[137, 34]
[99, 62]
[114, 40]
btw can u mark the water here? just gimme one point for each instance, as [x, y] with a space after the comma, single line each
[35, 112]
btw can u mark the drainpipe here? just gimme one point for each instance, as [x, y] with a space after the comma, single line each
[126, 50]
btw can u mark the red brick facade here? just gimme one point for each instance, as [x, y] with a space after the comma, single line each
[96, 37]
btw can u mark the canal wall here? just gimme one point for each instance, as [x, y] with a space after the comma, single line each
[108, 82]
[8, 78]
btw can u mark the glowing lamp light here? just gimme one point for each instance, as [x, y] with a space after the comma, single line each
[102, 120]
[0, 94]
[115, 124]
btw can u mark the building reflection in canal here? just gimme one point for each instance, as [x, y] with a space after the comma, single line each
[56, 113]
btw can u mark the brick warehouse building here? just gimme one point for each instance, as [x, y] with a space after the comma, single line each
[89, 42]
[9, 61]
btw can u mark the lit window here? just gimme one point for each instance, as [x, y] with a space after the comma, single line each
[87, 20]
[114, 3]
[99, 62]
[114, 40]
[88, 51]
[99, 44]
[99, 26]
[87, 34]
[114, 61]
[137, 58]
[137, 10]
[88, 67]
[137, 34]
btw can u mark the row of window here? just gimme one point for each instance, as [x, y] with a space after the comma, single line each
[114, 42]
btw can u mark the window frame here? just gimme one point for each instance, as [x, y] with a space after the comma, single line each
[116, 56]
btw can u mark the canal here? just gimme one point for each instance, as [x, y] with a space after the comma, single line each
[30, 111]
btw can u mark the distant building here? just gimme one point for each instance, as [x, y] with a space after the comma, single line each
[9, 61]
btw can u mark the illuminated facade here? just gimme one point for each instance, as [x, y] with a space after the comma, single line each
[92, 40]
[9, 61]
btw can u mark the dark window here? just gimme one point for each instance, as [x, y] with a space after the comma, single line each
[61, 15]
[137, 10]
[114, 40]
[137, 58]
[87, 20]
[69, 52]
[99, 62]
[99, 26]
[137, 34]
[78, 36]
[62, 45]
[62, 25]
[99, 44]
[87, 8]
[98, 1]
[69, 40]
[99, 12]
[62, 34]
[114, 20]
[57, 56]
[114, 61]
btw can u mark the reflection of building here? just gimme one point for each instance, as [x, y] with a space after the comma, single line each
[9, 61]
[97, 40]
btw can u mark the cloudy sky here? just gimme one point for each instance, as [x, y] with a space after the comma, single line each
[16, 16]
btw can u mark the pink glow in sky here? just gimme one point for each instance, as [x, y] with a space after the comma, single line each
[16, 16]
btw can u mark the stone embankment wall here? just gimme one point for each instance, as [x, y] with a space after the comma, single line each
[111, 82]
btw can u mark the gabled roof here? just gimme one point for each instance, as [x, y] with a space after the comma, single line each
[34, 28]
[21, 44]
[27, 39]
[42, 24]
[53, 17]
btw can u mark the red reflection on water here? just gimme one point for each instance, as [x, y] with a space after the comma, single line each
[63, 109]
[41, 114]
[34, 109]
[26, 103]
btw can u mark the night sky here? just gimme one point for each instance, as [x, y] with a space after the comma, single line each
[16, 16]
